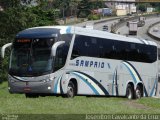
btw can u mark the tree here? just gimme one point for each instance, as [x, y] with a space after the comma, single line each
[97, 4]
[156, 6]
[9, 3]
[84, 8]
[16, 17]
[143, 6]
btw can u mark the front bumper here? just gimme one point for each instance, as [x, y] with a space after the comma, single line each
[31, 87]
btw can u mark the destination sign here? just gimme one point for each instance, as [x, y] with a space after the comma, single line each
[23, 40]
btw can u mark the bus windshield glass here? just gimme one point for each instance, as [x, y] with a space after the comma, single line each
[31, 57]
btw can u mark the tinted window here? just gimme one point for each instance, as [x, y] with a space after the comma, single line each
[61, 56]
[105, 48]
[62, 52]
[159, 53]
[67, 38]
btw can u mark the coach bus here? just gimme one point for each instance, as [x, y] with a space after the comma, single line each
[69, 61]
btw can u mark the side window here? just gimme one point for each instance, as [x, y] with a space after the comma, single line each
[107, 48]
[62, 52]
[152, 53]
[133, 52]
[61, 56]
[122, 50]
[92, 47]
[142, 53]
[82, 46]
[112, 49]
[158, 53]
[67, 38]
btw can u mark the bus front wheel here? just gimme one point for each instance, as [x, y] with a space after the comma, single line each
[70, 90]
[129, 92]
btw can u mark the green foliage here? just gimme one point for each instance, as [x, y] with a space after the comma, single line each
[93, 17]
[142, 7]
[10, 3]
[3, 71]
[84, 9]
[157, 7]
[18, 104]
[97, 4]
[14, 20]
[16, 17]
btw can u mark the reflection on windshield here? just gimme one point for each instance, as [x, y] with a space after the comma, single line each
[31, 57]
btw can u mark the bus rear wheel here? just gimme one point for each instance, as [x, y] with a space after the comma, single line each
[70, 90]
[129, 92]
[138, 92]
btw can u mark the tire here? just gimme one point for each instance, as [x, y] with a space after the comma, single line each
[129, 92]
[70, 90]
[31, 95]
[138, 92]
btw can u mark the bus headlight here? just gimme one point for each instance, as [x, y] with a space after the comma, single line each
[11, 79]
[49, 88]
[47, 80]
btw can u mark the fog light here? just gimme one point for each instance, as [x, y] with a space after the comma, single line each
[49, 88]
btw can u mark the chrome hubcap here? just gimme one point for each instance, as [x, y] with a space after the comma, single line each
[129, 94]
[138, 93]
[70, 91]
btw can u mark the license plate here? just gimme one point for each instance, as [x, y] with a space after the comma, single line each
[27, 89]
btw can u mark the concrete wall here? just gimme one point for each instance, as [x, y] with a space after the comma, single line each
[121, 12]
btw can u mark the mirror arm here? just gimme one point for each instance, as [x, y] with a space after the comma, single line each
[4, 48]
[54, 47]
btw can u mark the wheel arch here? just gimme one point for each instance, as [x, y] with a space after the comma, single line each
[130, 83]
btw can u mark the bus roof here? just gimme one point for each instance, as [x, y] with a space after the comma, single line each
[41, 32]
[50, 31]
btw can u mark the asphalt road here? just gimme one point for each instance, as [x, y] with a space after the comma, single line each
[142, 31]
[155, 30]
[99, 26]
[109, 23]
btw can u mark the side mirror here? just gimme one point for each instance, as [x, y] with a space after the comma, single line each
[4, 48]
[55, 46]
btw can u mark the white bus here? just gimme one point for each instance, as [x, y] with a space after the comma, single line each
[69, 61]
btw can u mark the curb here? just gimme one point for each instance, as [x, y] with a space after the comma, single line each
[150, 34]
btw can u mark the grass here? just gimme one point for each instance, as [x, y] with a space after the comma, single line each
[18, 104]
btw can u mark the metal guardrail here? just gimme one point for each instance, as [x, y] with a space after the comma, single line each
[121, 23]
[106, 20]
[116, 26]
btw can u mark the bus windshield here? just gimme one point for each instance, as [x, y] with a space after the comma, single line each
[31, 57]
